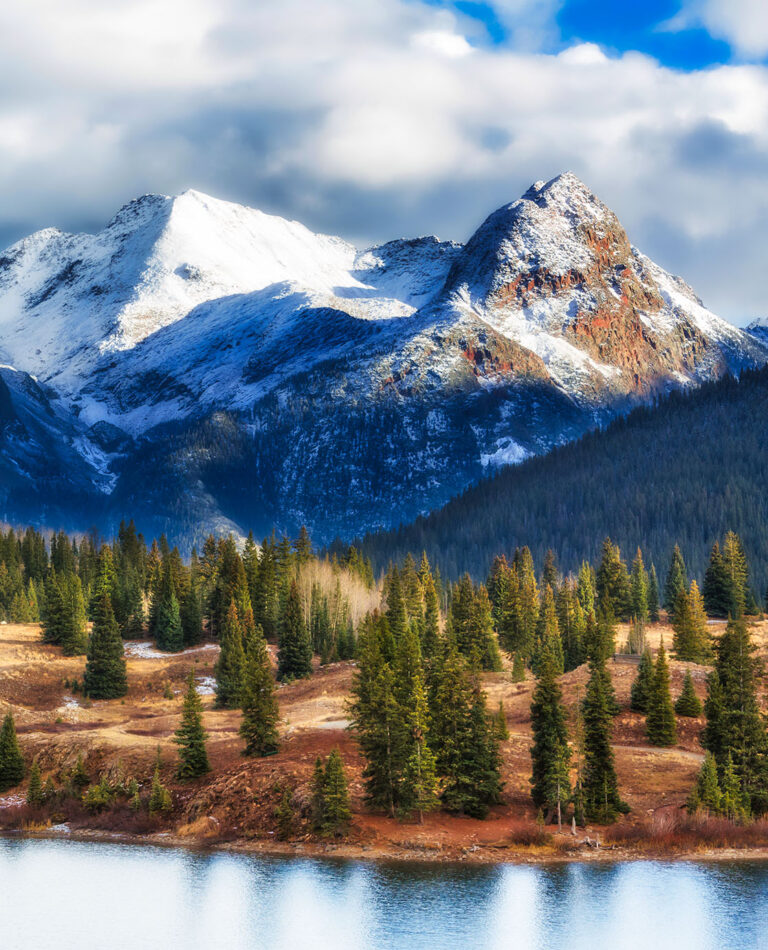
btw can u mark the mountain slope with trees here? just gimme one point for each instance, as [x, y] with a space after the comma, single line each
[685, 470]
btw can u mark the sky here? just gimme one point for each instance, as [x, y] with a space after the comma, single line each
[376, 119]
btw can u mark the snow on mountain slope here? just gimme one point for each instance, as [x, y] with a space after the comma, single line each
[220, 366]
[759, 329]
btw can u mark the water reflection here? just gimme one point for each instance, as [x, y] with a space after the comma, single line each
[67, 894]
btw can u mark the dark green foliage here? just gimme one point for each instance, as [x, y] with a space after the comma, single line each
[600, 790]
[331, 813]
[169, 635]
[614, 592]
[550, 753]
[654, 598]
[676, 582]
[160, 801]
[105, 672]
[285, 814]
[660, 723]
[692, 640]
[735, 727]
[190, 736]
[706, 793]
[12, 767]
[295, 646]
[229, 666]
[35, 794]
[260, 713]
[464, 741]
[500, 721]
[688, 703]
[643, 684]
[718, 598]
[709, 455]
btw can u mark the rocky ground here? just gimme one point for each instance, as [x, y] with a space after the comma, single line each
[236, 803]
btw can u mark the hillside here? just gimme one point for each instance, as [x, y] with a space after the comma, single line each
[684, 471]
[209, 366]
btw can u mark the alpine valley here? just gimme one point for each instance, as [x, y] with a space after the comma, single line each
[206, 366]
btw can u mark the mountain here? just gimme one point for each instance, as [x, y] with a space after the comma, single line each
[685, 470]
[224, 368]
[759, 329]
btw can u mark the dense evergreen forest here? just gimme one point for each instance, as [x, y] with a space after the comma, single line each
[684, 471]
[418, 706]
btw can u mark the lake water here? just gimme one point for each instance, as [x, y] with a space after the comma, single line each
[57, 895]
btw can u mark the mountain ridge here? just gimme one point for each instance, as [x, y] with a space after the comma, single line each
[187, 311]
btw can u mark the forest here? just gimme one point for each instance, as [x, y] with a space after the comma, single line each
[682, 471]
[418, 709]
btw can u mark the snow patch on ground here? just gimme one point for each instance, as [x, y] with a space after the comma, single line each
[146, 650]
[206, 685]
[507, 452]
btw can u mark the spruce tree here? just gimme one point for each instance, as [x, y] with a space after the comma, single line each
[229, 666]
[12, 767]
[548, 639]
[706, 793]
[654, 599]
[502, 732]
[550, 753]
[602, 802]
[692, 641]
[717, 591]
[639, 588]
[734, 803]
[660, 723]
[295, 645]
[105, 668]
[419, 785]
[260, 713]
[35, 794]
[643, 683]
[190, 736]
[688, 703]
[738, 572]
[677, 581]
[167, 628]
[335, 795]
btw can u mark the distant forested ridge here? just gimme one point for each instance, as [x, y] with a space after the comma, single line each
[685, 470]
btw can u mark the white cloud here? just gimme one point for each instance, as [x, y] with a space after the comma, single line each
[375, 119]
[742, 23]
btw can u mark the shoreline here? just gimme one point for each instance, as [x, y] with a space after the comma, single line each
[476, 855]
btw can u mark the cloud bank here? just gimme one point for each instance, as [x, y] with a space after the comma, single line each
[381, 119]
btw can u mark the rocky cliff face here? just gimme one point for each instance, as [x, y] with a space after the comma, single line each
[218, 367]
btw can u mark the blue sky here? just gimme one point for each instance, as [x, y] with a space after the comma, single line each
[387, 118]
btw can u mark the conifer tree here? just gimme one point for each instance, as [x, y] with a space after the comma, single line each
[602, 801]
[548, 640]
[613, 584]
[190, 736]
[419, 786]
[260, 713]
[692, 641]
[688, 703]
[105, 669]
[336, 811]
[572, 624]
[643, 684]
[12, 767]
[168, 632]
[660, 723]
[35, 794]
[677, 580]
[550, 753]
[160, 801]
[639, 588]
[654, 599]
[734, 802]
[706, 793]
[717, 591]
[229, 666]
[502, 732]
[738, 572]
[295, 646]
[465, 743]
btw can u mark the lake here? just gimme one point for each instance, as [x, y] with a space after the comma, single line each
[56, 895]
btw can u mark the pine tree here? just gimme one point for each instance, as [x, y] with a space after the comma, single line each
[260, 713]
[643, 684]
[613, 584]
[706, 793]
[160, 801]
[660, 723]
[738, 572]
[502, 732]
[602, 801]
[688, 703]
[692, 641]
[465, 745]
[548, 640]
[718, 595]
[295, 653]
[336, 813]
[105, 669]
[734, 803]
[419, 785]
[167, 628]
[654, 599]
[550, 753]
[229, 666]
[677, 580]
[12, 767]
[190, 736]
[639, 588]
[35, 795]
